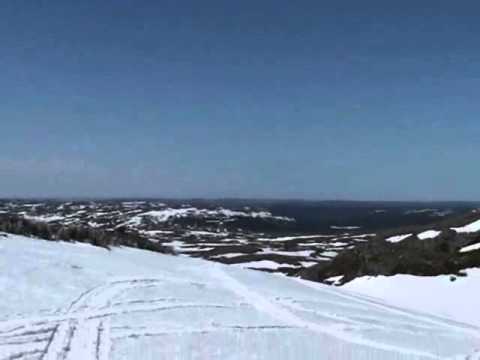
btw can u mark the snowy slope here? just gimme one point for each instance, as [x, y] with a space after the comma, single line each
[72, 301]
[457, 299]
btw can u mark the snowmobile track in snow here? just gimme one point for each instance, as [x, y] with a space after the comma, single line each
[82, 330]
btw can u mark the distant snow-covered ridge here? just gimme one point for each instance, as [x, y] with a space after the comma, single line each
[135, 218]
[167, 214]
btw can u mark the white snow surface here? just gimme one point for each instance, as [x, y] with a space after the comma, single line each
[429, 234]
[207, 233]
[44, 218]
[457, 300]
[74, 301]
[157, 232]
[398, 238]
[469, 248]
[229, 256]
[329, 254]
[303, 253]
[300, 237]
[264, 264]
[337, 244]
[473, 227]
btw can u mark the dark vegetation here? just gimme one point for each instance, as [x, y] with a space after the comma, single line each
[413, 256]
[77, 233]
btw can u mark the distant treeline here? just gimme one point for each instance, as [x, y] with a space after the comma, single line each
[82, 233]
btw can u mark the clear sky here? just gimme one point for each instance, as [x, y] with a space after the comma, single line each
[265, 98]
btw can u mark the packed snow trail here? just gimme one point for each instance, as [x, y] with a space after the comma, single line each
[74, 302]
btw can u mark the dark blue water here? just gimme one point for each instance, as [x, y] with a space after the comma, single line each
[320, 216]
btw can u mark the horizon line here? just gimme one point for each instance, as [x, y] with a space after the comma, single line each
[227, 198]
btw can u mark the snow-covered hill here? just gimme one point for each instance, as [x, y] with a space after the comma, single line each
[456, 297]
[71, 301]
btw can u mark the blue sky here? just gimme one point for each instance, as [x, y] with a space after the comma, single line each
[310, 99]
